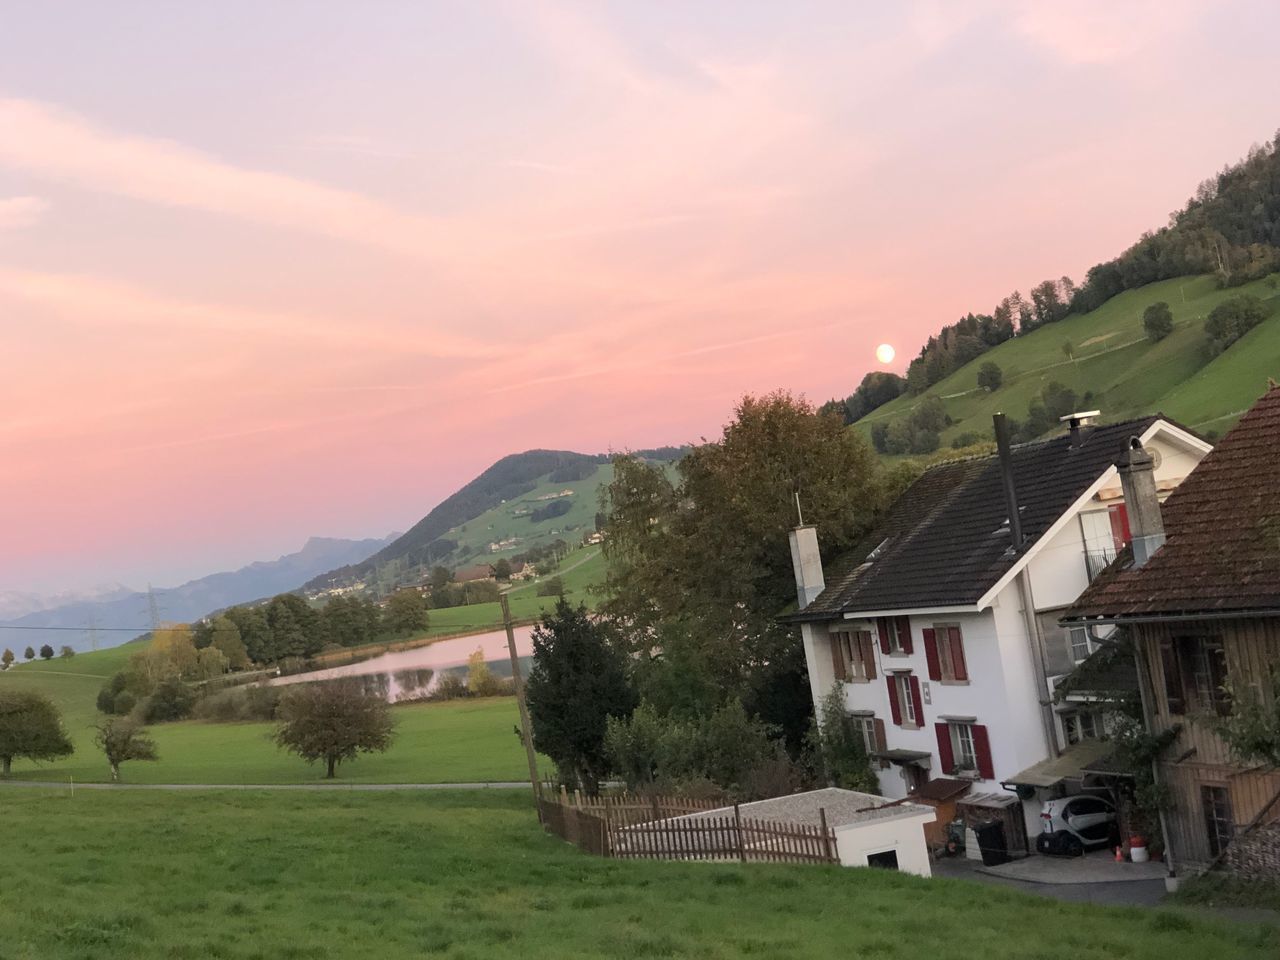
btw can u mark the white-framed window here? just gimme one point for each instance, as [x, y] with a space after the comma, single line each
[962, 749]
[906, 699]
[1080, 726]
[864, 725]
[893, 628]
[1079, 643]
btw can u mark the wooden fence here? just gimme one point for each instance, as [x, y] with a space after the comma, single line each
[673, 828]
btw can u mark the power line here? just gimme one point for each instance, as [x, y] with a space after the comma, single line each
[24, 626]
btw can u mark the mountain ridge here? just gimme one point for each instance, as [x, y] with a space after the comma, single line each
[116, 618]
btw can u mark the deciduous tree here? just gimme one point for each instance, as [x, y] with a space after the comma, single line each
[30, 728]
[1157, 321]
[990, 376]
[225, 638]
[6, 659]
[46, 652]
[407, 611]
[705, 560]
[333, 722]
[122, 739]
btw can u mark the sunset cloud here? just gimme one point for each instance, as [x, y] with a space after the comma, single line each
[313, 283]
[16, 212]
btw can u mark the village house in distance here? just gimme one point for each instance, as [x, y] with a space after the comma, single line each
[942, 630]
[1199, 594]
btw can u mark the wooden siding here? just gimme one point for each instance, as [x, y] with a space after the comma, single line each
[1198, 757]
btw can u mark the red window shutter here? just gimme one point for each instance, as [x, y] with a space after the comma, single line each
[837, 657]
[982, 752]
[958, 666]
[904, 633]
[915, 698]
[883, 630]
[895, 709]
[881, 743]
[945, 755]
[931, 653]
[868, 652]
[1119, 515]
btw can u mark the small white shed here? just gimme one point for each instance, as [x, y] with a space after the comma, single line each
[870, 830]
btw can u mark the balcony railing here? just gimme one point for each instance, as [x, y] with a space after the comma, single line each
[1096, 561]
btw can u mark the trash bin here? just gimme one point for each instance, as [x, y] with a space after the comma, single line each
[991, 842]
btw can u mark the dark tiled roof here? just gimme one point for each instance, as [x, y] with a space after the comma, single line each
[1223, 526]
[945, 542]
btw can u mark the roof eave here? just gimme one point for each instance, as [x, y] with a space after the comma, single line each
[1120, 619]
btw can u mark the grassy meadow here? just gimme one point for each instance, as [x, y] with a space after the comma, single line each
[469, 874]
[1128, 375]
[453, 742]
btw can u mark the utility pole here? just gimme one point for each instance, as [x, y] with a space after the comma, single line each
[526, 734]
[93, 631]
[153, 609]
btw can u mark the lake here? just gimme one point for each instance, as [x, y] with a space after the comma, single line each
[411, 674]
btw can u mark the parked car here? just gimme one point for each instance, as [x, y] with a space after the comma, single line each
[1071, 825]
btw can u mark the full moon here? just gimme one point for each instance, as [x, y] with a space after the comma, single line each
[885, 353]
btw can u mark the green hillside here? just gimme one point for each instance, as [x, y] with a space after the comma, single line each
[1126, 374]
[513, 519]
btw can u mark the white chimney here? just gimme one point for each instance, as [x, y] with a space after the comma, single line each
[806, 563]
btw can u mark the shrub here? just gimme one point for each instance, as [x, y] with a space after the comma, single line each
[727, 748]
[1232, 319]
[840, 747]
[170, 700]
[236, 704]
[450, 686]
[990, 376]
[551, 587]
[1157, 321]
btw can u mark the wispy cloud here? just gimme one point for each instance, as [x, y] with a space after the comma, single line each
[50, 142]
[90, 300]
[16, 212]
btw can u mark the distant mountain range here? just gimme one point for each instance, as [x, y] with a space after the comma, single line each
[116, 608]
[15, 603]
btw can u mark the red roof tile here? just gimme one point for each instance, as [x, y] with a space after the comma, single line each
[1223, 527]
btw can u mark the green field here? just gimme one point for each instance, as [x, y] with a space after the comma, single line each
[1128, 375]
[510, 519]
[459, 741]
[469, 874]
[581, 572]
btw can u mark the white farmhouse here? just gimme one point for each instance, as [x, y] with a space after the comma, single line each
[941, 628]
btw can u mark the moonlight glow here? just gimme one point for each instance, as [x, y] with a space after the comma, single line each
[885, 353]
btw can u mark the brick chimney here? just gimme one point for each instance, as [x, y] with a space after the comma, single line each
[806, 562]
[1137, 476]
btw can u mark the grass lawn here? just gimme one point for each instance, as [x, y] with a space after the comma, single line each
[1221, 890]
[469, 874]
[459, 741]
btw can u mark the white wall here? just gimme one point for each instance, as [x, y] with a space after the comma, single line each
[903, 835]
[999, 695]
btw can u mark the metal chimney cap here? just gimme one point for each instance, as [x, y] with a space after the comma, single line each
[1081, 417]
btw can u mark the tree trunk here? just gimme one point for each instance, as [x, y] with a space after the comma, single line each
[115, 773]
[7, 762]
[333, 762]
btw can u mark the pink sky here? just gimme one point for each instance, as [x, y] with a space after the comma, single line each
[274, 270]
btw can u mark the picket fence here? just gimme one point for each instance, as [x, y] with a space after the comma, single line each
[679, 828]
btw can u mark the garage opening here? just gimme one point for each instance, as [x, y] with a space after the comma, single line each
[886, 860]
